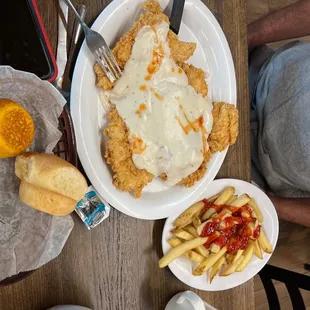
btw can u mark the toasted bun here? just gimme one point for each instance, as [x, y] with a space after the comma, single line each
[44, 200]
[16, 128]
[52, 173]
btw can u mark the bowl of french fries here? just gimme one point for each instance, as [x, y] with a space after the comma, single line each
[222, 240]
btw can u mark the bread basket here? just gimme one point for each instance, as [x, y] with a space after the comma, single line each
[66, 149]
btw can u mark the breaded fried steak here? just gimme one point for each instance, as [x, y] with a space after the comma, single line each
[125, 145]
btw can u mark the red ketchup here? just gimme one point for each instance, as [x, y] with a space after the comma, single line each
[208, 205]
[209, 229]
[233, 231]
[256, 232]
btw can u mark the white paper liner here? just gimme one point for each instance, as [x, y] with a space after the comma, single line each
[29, 238]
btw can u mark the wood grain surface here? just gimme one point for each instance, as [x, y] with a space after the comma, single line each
[115, 266]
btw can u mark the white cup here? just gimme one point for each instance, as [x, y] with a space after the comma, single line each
[187, 300]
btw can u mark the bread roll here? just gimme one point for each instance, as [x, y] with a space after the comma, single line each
[16, 128]
[44, 200]
[52, 173]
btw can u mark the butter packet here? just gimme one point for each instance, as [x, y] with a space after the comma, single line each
[92, 209]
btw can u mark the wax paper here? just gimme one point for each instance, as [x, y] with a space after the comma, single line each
[29, 238]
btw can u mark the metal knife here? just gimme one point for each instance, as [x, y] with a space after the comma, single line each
[175, 9]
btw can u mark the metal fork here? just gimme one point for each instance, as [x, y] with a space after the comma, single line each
[99, 48]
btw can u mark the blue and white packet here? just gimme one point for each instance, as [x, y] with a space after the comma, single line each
[92, 209]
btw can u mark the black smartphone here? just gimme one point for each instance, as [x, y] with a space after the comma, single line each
[24, 44]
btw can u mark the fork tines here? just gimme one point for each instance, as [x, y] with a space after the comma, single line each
[108, 63]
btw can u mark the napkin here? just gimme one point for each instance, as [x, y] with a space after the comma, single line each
[29, 238]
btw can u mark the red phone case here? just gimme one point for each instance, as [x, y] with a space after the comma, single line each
[44, 40]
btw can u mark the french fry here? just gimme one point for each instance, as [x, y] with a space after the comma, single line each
[174, 242]
[252, 203]
[180, 250]
[229, 258]
[191, 255]
[188, 222]
[231, 200]
[224, 210]
[188, 214]
[182, 234]
[196, 221]
[238, 254]
[215, 248]
[241, 201]
[213, 198]
[200, 249]
[254, 214]
[208, 214]
[264, 243]
[188, 236]
[209, 262]
[257, 250]
[248, 253]
[192, 230]
[225, 195]
[216, 267]
[245, 214]
[232, 267]
[195, 257]
[251, 227]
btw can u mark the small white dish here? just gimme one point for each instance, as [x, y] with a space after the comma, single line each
[182, 267]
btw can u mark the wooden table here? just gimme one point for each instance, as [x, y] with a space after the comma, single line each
[115, 266]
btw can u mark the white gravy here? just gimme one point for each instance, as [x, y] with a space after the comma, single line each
[168, 121]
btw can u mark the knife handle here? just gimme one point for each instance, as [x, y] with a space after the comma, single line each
[176, 15]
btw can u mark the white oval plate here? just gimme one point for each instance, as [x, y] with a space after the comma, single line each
[182, 267]
[212, 55]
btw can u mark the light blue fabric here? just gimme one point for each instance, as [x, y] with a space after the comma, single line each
[280, 118]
